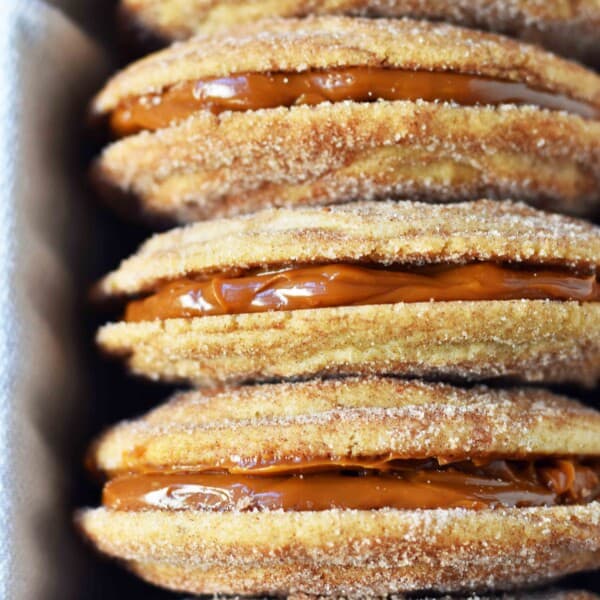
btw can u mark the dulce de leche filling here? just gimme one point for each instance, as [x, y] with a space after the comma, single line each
[253, 91]
[408, 486]
[350, 285]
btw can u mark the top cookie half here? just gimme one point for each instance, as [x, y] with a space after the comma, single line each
[569, 27]
[334, 109]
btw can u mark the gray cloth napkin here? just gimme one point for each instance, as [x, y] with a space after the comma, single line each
[48, 69]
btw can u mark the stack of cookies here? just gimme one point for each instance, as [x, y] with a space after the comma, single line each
[375, 350]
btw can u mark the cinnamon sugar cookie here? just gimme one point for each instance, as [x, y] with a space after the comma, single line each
[551, 594]
[359, 487]
[334, 109]
[568, 27]
[472, 290]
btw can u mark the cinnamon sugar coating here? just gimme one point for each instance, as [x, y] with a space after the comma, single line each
[351, 552]
[568, 27]
[332, 42]
[409, 419]
[404, 232]
[194, 580]
[236, 163]
[524, 340]
[550, 594]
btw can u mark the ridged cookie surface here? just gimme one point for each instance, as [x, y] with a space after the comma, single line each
[366, 552]
[568, 27]
[237, 163]
[332, 42]
[409, 419]
[404, 232]
[524, 340]
[178, 578]
[350, 578]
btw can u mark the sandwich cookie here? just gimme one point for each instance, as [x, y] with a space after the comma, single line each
[529, 595]
[468, 290]
[359, 486]
[570, 28]
[550, 594]
[334, 109]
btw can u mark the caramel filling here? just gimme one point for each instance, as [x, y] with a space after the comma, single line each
[349, 285]
[253, 91]
[428, 485]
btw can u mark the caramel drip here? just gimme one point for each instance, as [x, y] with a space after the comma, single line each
[464, 485]
[349, 285]
[253, 91]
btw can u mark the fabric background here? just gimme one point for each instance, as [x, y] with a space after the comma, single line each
[48, 69]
